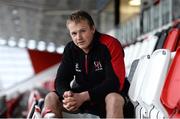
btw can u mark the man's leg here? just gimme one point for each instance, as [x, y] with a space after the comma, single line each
[114, 105]
[53, 103]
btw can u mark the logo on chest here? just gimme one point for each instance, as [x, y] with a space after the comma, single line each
[77, 67]
[97, 66]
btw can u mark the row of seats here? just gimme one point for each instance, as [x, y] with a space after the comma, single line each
[154, 77]
[155, 84]
[146, 82]
[167, 39]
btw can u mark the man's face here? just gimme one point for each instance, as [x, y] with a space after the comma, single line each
[81, 34]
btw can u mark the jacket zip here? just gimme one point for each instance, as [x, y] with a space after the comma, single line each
[86, 63]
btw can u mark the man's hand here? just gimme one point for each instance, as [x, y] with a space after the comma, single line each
[67, 94]
[72, 101]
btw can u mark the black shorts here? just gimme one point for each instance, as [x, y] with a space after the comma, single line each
[98, 108]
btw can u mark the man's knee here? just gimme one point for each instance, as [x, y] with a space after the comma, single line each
[52, 99]
[53, 104]
[114, 98]
[51, 96]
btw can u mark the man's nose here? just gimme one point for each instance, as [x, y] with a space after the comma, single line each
[79, 36]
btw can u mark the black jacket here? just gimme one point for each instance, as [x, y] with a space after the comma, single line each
[96, 72]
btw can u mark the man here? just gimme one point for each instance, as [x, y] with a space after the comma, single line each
[92, 72]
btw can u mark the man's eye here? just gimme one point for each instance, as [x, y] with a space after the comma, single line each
[83, 30]
[73, 34]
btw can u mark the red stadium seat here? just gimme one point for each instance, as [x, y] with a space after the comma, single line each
[172, 39]
[170, 96]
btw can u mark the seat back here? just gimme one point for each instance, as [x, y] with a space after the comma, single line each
[137, 79]
[143, 48]
[162, 39]
[170, 96]
[132, 70]
[154, 79]
[172, 39]
[152, 41]
[136, 51]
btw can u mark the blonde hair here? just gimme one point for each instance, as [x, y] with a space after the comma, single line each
[79, 15]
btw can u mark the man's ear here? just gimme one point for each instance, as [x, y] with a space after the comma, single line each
[93, 29]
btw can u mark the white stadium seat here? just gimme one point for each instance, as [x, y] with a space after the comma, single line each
[136, 83]
[154, 80]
